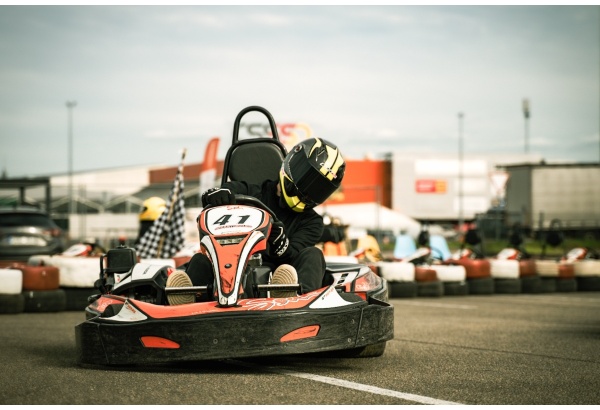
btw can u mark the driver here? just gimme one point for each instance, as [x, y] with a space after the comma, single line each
[309, 174]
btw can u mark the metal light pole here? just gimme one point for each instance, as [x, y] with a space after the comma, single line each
[70, 106]
[526, 114]
[460, 170]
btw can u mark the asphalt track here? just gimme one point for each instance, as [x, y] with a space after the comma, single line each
[530, 349]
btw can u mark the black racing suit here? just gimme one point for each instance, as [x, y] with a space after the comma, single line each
[303, 229]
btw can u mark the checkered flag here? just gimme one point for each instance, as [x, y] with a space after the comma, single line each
[166, 236]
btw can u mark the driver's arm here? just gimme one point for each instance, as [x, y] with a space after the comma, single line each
[303, 233]
[242, 188]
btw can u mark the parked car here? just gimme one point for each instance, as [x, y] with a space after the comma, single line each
[26, 231]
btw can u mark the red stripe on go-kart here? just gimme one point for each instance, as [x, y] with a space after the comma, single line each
[203, 308]
[105, 301]
[155, 342]
[301, 333]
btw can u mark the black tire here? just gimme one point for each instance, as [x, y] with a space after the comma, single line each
[402, 289]
[45, 300]
[12, 303]
[531, 284]
[588, 283]
[430, 289]
[481, 286]
[374, 350]
[549, 285]
[566, 285]
[77, 298]
[455, 288]
[507, 286]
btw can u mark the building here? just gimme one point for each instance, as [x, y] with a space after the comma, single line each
[442, 189]
[432, 188]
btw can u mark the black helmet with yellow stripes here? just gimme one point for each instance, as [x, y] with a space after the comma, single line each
[310, 173]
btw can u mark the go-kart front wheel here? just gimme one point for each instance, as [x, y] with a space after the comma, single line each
[374, 350]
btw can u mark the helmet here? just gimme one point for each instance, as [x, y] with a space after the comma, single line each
[153, 208]
[310, 173]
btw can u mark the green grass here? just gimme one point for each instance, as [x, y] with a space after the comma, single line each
[532, 246]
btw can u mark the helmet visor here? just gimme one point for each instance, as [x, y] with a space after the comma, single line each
[310, 185]
[294, 198]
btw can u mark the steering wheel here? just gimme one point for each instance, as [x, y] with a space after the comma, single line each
[252, 201]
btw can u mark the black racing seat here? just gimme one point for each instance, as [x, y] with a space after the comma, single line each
[253, 160]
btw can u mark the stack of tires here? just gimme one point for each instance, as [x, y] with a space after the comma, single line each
[531, 282]
[77, 275]
[556, 276]
[506, 275]
[12, 299]
[453, 278]
[479, 276]
[41, 290]
[428, 283]
[400, 277]
[587, 274]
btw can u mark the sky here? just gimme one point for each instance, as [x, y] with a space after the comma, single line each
[151, 80]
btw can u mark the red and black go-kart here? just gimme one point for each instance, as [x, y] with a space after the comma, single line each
[131, 322]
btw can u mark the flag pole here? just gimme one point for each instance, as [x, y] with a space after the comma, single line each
[172, 204]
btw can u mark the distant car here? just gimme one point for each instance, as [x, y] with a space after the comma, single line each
[25, 232]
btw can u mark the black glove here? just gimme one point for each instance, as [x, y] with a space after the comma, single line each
[218, 196]
[278, 240]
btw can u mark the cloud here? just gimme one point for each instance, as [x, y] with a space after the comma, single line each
[370, 78]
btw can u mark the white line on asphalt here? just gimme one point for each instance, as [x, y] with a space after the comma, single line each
[351, 385]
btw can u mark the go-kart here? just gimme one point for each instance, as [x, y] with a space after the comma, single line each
[131, 321]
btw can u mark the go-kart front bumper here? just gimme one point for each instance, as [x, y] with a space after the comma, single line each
[165, 334]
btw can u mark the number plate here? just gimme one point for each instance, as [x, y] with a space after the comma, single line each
[232, 219]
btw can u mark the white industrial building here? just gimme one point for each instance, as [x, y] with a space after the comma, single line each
[440, 188]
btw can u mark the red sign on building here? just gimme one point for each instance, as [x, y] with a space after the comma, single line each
[430, 186]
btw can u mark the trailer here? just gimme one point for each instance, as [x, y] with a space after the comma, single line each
[540, 197]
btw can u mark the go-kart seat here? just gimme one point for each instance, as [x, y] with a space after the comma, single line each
[405, 246]
[439, 247]
[253, 160]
